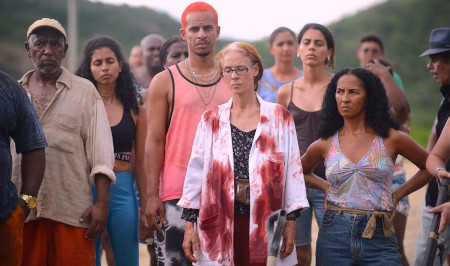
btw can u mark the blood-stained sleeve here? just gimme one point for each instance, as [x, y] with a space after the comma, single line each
[192, 188]
[295, 191]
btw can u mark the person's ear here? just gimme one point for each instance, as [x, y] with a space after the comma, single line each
[66, 46]
[27, 47]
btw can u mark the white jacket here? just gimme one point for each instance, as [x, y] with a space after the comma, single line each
[276, 181]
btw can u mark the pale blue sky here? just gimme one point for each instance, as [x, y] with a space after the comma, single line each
[251, 20]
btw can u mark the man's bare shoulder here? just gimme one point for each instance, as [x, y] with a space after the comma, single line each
[161, 82]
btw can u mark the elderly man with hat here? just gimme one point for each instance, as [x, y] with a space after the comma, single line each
[62, 229]
[439, 66]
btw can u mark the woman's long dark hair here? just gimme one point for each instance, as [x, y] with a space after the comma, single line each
[125, 84]
[378, 110]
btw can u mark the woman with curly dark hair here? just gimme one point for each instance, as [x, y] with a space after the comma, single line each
[377, 110]
[359, 141]
[104, 64]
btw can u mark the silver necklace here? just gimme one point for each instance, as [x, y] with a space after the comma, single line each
[106, 95]
[206, 103]
[200, 77]
[207, 93]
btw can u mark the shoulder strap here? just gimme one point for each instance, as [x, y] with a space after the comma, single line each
[292, 89]
[173, 97]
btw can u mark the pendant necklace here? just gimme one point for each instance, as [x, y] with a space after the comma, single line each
[200, 77]
[207, 93]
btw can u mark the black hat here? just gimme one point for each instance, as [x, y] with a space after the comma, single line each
[439, 41]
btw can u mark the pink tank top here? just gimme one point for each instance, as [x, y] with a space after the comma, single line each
[189, 103]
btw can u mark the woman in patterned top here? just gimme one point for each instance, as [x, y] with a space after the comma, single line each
[359, 141]
[248, 142]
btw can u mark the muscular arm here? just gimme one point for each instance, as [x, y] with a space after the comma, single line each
[440, 153]
[397, 97]
[158, 111]
[98, 212]
[139, 146]
[399, 101]
[32, 168]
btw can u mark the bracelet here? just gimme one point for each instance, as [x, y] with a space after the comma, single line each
[394, 198]
[291, 218]
[436, 174]
[437, 171]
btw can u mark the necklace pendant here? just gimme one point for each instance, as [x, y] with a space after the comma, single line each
[207, 94]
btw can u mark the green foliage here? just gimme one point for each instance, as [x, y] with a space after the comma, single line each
[404, 26]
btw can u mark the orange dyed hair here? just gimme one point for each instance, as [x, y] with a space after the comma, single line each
[198, 7]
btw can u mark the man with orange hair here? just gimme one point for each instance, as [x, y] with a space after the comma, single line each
[177, 97]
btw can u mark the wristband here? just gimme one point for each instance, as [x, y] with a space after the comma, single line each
[436, 174]
[291, 218]
[437, 171]
[394, 198]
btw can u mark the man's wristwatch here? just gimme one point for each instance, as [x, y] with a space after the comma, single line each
[30, 201]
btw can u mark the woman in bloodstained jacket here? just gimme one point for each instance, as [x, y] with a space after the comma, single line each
[245, 164]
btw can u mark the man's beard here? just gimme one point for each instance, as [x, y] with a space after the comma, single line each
[203, 54]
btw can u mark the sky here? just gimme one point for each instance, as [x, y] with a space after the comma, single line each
[252, 20]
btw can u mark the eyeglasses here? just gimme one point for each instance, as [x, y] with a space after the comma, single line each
[373, 50]
[240, 70]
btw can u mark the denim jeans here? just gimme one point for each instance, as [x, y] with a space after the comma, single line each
[303, 228]
[340, 242]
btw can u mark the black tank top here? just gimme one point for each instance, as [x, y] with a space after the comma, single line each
[442, 117]
[306, 125]
[124, 133]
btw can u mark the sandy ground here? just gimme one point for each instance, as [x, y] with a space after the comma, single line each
[412, 226]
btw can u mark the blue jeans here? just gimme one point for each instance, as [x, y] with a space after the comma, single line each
[303, 228]
[340, 242]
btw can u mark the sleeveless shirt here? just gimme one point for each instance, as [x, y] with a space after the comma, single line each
[364, 185]
[306, 125]
[186, 112]
[269, 85]
[442, 116]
